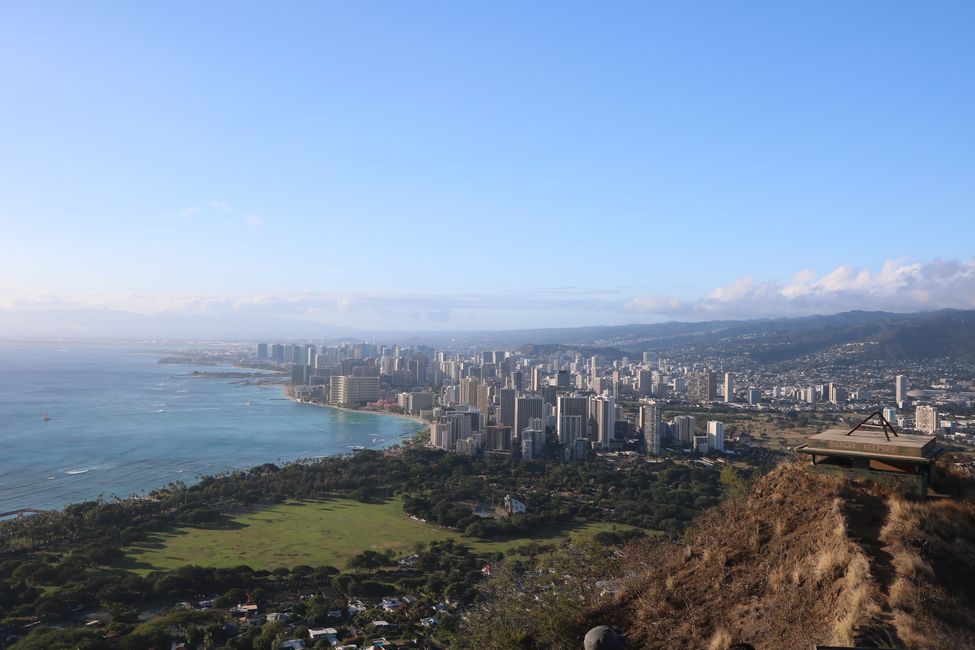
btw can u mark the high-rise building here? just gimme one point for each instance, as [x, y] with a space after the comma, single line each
[364, 351]
[651, 425]
[449, 397]
[506, 407]
[419, 369]
[518, 380]
[328, 357]
[550, 395]
[900, 388]
[488, 371]
[437, 431]
[754, 395]
[484, 399]
[572, 418]
[571, 428]
[454, 426]
[538, 375]
[562, 380]
[890, 414]
[715, 435]
[498, 438]
[277, 353]
[684, 429]
[729, 387]
[644, 381]
[837, 395]
[261, 351]
[420, 401]
[926, 419]
[347, 391]
[467, 391]
[605, 416]
[365, 371]
[526, 408]
[601, 385]
[299, 374]
[528, 444]
[537, 430]
[701, 386]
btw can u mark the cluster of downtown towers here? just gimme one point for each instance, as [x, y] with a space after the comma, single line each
[509, 402]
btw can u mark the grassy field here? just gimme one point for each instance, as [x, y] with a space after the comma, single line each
[314, 533]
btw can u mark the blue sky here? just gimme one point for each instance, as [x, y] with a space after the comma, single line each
[435, 165]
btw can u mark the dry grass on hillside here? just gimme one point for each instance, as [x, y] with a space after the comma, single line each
[806, 559]
[932, 548]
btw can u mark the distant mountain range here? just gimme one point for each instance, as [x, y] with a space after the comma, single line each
[867, 335]
[871, 335]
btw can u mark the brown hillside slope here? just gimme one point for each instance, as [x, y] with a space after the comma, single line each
[806, 559]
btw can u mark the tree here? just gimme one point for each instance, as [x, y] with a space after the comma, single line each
[543, 606]
[44, 639]
[735, 486]
[370, 560]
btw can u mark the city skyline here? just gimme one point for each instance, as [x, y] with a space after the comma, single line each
[447, 168]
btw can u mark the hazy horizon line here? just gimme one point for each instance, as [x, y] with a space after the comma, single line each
[372, 334]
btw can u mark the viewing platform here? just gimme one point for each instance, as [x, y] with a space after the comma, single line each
[875, 451]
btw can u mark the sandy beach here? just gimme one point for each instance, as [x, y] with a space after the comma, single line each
[403, 416]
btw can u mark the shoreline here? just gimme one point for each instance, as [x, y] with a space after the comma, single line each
[403, 416]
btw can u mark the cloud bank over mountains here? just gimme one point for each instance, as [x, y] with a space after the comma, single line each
[900, 286]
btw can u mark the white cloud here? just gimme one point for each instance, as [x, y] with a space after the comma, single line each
[174, 315]
[220, 210]
[185, 213]
[899, 285]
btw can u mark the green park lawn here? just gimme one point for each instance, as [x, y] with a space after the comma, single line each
[315, 533]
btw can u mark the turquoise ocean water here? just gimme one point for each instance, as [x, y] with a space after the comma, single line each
[122, 424]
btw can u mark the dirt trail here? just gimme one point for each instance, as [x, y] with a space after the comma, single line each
[866, 514]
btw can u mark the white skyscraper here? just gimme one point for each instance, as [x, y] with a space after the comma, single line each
[684, 429]
[605, 415]
[900, 388]
[810, 395]
[729, 387]
[716, 435]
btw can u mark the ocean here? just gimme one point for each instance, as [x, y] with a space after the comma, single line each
[121, 424]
